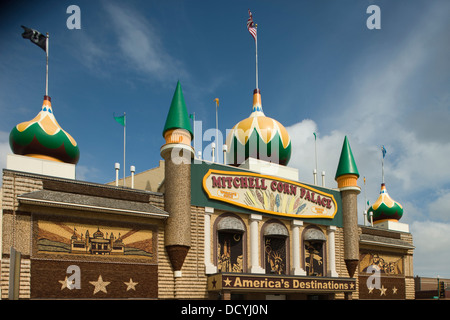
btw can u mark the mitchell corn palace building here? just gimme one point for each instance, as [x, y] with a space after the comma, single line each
[248, 229]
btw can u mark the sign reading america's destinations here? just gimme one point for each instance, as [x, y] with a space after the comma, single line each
[268, 194]
[221, 281]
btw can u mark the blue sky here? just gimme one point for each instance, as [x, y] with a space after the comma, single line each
[320, 70]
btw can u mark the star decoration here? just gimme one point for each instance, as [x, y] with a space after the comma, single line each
[99, 285]
[63, 283]
[227, 282]
[370, 289]
[383, 290]
[131, 285]
[214, 283]
[394, 290]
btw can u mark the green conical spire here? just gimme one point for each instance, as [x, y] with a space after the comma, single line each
[347, 163]
[178, 117]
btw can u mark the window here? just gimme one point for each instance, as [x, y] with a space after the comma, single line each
[275, 253]
[313, 241]
[230, 244]
[230, 255]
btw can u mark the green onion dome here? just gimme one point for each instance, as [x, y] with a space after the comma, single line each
[44, 138]
[385, 208]
[258, 137]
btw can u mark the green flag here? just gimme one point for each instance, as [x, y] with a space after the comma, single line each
[120, 120]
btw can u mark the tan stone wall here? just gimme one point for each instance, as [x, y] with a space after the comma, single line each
[407, 277]
[409, 271]
[16, 230]
[16, 184]
[192, 284]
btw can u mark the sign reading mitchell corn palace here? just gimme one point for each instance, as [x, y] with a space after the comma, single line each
[269, 194]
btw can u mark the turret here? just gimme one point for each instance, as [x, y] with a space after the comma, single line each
[259, 137]
[385, 208]
[177, 153]
[346, 176]
[43, 138]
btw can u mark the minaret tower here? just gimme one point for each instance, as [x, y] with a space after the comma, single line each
[177, 153]
[259, 137]
[43, 138]
[346, 176]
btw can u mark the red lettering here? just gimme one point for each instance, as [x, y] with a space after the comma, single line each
[251, 182]
[273, 185]
[307, 196]
[216, 182]
[229, 180]
[302, 192]
[280, 187]
[244, 182]
[236, 182]
[263, 184]
[293, 190]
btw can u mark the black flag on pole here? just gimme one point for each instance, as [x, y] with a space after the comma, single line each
[36, 37]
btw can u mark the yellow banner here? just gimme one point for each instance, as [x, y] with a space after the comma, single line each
[269, 194]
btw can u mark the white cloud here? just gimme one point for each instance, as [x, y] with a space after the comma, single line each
[91, 54]
[379, 109]
[141, 45]
[431, 255]
[439, 208]
[329, 148]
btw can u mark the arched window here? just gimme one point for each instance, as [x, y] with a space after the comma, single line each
[275, 251]
[314, 246]
[230, 232]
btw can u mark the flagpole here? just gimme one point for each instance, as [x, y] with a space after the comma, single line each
[382, 169]
[217, 132]
[193, 126]
[365, 198]
[46, 72]
[256, 54]
[315, 148]
[124, 135]
[315, 157]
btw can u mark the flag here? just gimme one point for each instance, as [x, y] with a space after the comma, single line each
[36, 37]
[217, 101]
[120, 120]
[251, 26]
[383, 150]
[315, 137]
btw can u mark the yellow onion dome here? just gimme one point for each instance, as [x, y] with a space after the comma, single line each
[258, 137]
[44, 138]
[385, 208]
